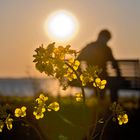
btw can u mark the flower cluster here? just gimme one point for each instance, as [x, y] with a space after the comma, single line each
[119, 113]
[71, 66]
[51, 59]
[57, 61]
[90, 75]
[20, 112]
[8, 121]
[40, 109]
[99, 83]
[123, 119]
[61, 52]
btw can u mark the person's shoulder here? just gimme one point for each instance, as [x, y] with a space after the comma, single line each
[90, 45]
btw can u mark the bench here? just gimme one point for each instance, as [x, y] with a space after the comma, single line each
[130, 73]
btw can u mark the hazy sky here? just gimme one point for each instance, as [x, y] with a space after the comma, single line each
[21, 29]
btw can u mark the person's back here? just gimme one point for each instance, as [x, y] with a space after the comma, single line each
[98, 53]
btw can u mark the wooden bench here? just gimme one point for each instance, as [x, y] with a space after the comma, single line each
[129, 82]
[130, 72]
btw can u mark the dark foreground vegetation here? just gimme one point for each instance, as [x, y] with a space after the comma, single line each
[72, 122]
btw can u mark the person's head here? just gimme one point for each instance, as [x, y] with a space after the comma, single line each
[104, 36]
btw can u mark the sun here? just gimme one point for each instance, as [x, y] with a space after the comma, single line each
[61, 26]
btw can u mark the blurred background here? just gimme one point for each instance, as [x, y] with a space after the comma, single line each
[22, 29]
[26, 24]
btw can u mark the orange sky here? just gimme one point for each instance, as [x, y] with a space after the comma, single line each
[21, 26]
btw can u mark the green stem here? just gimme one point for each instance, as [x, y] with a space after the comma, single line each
[91, 136]
[103, 129]
[96, 120]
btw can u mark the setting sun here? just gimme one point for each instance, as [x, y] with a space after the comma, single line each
[61, 26]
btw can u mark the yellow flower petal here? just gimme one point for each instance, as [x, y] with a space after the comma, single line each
[97, 80]
[8, 123]
[49, 109]
[54, 106]
[1, 125]
[102, 87]
[43, 109]
[44, 98]
[94, 84]
[103, 82]
[23, 108]
[77, 63]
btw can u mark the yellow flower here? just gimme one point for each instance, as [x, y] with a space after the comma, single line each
[40, 108]
[39, 112]
[99, 83]
[38, 115]
[70, 76]
[79, 97]
[41, 99]
[8, 122]
[53, 106]
[83, 80]
[59, 52]
[1, 125]
[20, 112]
[123, 119]
[74, 63]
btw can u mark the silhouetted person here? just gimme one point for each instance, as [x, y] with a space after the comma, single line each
[98, 54]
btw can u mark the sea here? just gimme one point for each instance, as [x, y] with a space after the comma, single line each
[30, 86]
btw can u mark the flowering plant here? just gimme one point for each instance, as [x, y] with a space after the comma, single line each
[61, 63]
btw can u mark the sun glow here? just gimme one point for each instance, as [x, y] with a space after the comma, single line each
[61, 26]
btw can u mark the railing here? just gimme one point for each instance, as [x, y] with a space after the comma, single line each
[130, 71]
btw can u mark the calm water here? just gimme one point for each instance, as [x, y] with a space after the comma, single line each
[30, 86]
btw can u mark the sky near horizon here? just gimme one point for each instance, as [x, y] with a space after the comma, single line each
[21, 27]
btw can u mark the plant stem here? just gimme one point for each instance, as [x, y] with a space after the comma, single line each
[78, 78]
[103, 129]
[96, 120]
[91, 136]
